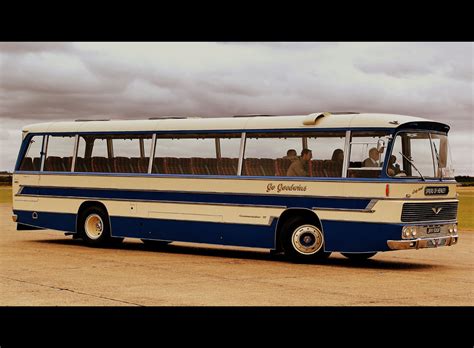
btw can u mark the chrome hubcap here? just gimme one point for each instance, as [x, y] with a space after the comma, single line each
[94, 226]
[307, 239]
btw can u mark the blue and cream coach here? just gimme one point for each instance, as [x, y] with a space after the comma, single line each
[224, 181]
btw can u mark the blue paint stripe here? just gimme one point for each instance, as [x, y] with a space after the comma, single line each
[195, 231]
[54, 221]
[196, 197]
[352, 236]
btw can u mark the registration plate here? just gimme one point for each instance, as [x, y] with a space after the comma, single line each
[436, 190]
[434, 229]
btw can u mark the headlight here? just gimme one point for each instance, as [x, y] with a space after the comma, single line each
[413, 232]
[455, 228]
[406, 231]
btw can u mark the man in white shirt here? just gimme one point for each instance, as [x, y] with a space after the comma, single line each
[373, 160]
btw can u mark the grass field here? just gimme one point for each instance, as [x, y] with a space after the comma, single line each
[465, 213]
[466, 208]
[5, 194]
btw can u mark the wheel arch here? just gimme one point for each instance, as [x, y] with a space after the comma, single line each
[290, 213]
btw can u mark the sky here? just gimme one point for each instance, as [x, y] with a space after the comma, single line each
[63, 81]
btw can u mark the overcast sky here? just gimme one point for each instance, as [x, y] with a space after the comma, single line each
[41, 82]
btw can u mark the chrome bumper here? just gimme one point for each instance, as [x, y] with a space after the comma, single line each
[422, 243]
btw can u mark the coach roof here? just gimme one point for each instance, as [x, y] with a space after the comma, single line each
[311, 121]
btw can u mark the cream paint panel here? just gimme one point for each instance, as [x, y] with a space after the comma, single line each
[220, 185]
[52, 205]
[387, 211]
[251, 186]
[185, 216]
[23, 179]
[188, 212]
[417, 191]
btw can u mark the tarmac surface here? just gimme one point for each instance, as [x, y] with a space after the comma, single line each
[47, 268]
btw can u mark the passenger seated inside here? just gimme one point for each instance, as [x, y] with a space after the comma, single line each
[291, 155]
[373, 159]
[299, 167]
[338, 156]
[393, 168]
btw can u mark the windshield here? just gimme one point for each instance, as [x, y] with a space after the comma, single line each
[420, 154]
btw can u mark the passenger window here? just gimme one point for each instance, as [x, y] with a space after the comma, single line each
[59, 153]
[114, 153]
[32, 159]
[131, 154]
[197, 154]
[269, 155]
[328, 154]
[365, 160]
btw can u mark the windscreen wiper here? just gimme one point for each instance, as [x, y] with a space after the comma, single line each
[413, 165]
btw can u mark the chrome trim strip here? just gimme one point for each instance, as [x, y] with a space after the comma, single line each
[346, 209]
[371, 204]
[420, 243]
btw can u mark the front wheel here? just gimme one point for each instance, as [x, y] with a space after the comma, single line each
[358, 256]
[303, 241]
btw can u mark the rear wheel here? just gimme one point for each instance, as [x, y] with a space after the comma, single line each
[303, 240]
[359, 256]
[94, 227]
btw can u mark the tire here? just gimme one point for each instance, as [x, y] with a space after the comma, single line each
[358, 256]
[155, 243]
[303, 240]
[94, 227]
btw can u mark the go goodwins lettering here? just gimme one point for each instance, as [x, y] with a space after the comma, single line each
[282, 187]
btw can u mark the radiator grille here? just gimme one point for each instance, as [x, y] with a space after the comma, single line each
[413, 212]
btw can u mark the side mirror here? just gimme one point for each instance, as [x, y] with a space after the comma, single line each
[380, 145]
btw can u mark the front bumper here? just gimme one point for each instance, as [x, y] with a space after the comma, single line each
[420, 243]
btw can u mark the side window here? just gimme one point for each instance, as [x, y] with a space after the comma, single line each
[328, 154]
[32, 159]
[99, 148]
[59, 153]
[270, 154]
[366, 160]
[131, 154]
[113, 153]
[281, 155]
[196, 154]
[92, 155]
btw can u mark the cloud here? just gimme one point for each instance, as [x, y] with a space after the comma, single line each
[35, 47]
[64, 81]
